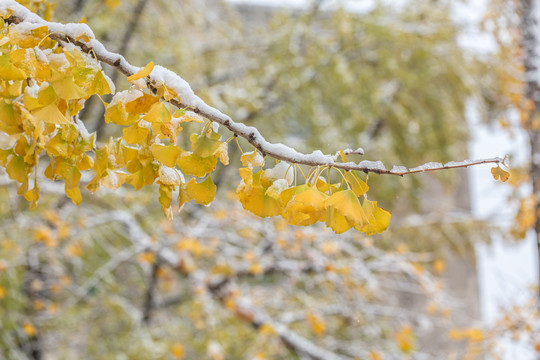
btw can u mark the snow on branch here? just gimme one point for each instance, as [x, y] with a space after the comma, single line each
[75, 33]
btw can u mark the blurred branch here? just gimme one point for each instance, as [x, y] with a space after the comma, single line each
[149, 301]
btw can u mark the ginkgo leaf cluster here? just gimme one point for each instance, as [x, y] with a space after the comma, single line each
[44, 85]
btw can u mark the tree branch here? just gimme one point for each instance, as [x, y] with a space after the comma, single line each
[188, 100]
[149, 297]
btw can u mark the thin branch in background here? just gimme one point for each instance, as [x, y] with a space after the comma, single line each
[149, 297]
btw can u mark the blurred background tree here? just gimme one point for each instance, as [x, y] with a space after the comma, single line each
[113, 279]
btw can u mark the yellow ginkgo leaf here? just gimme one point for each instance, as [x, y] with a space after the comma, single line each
[113, 180]
[165, 199]
[46, 96]
[85, 162]
[145, 176]
[51, 115]
[346, 203]
[287, 195]
[252, 159]
[100, 85]
[141, 104]
[260, 204]
[57, 146]
[181, 113]
[203, 193]
[116, 113]
[8, 71]
[33, 196]
[183, 197]
[166, 154]
[192, 164]
[499, 173]
[305, 208]
[205, 145]
[136, 179]
[69, 172]
[158, 113]
[143, 72]
[253, 195]
[247, 176]
[135, 134]
[17, 169]
[222, 152]
[66, 89]
[358, 186]
[336, 221]
[168, 130]
[9, 123]
[74, 194]
[377, 219]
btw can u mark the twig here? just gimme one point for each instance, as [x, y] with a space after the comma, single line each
[149, 301]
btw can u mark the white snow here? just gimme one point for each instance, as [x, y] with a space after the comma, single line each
[372, 165]
[398, 169]
[169, 176]
[428, 166]
[282, 170]
[276, 188]
[257, 160]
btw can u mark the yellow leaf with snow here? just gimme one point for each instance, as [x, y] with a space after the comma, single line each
[499, 174]
[252, 159]
[222, 152]
[253, 195]
[113, 180]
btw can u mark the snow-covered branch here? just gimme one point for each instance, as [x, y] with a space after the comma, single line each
[82, 36]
